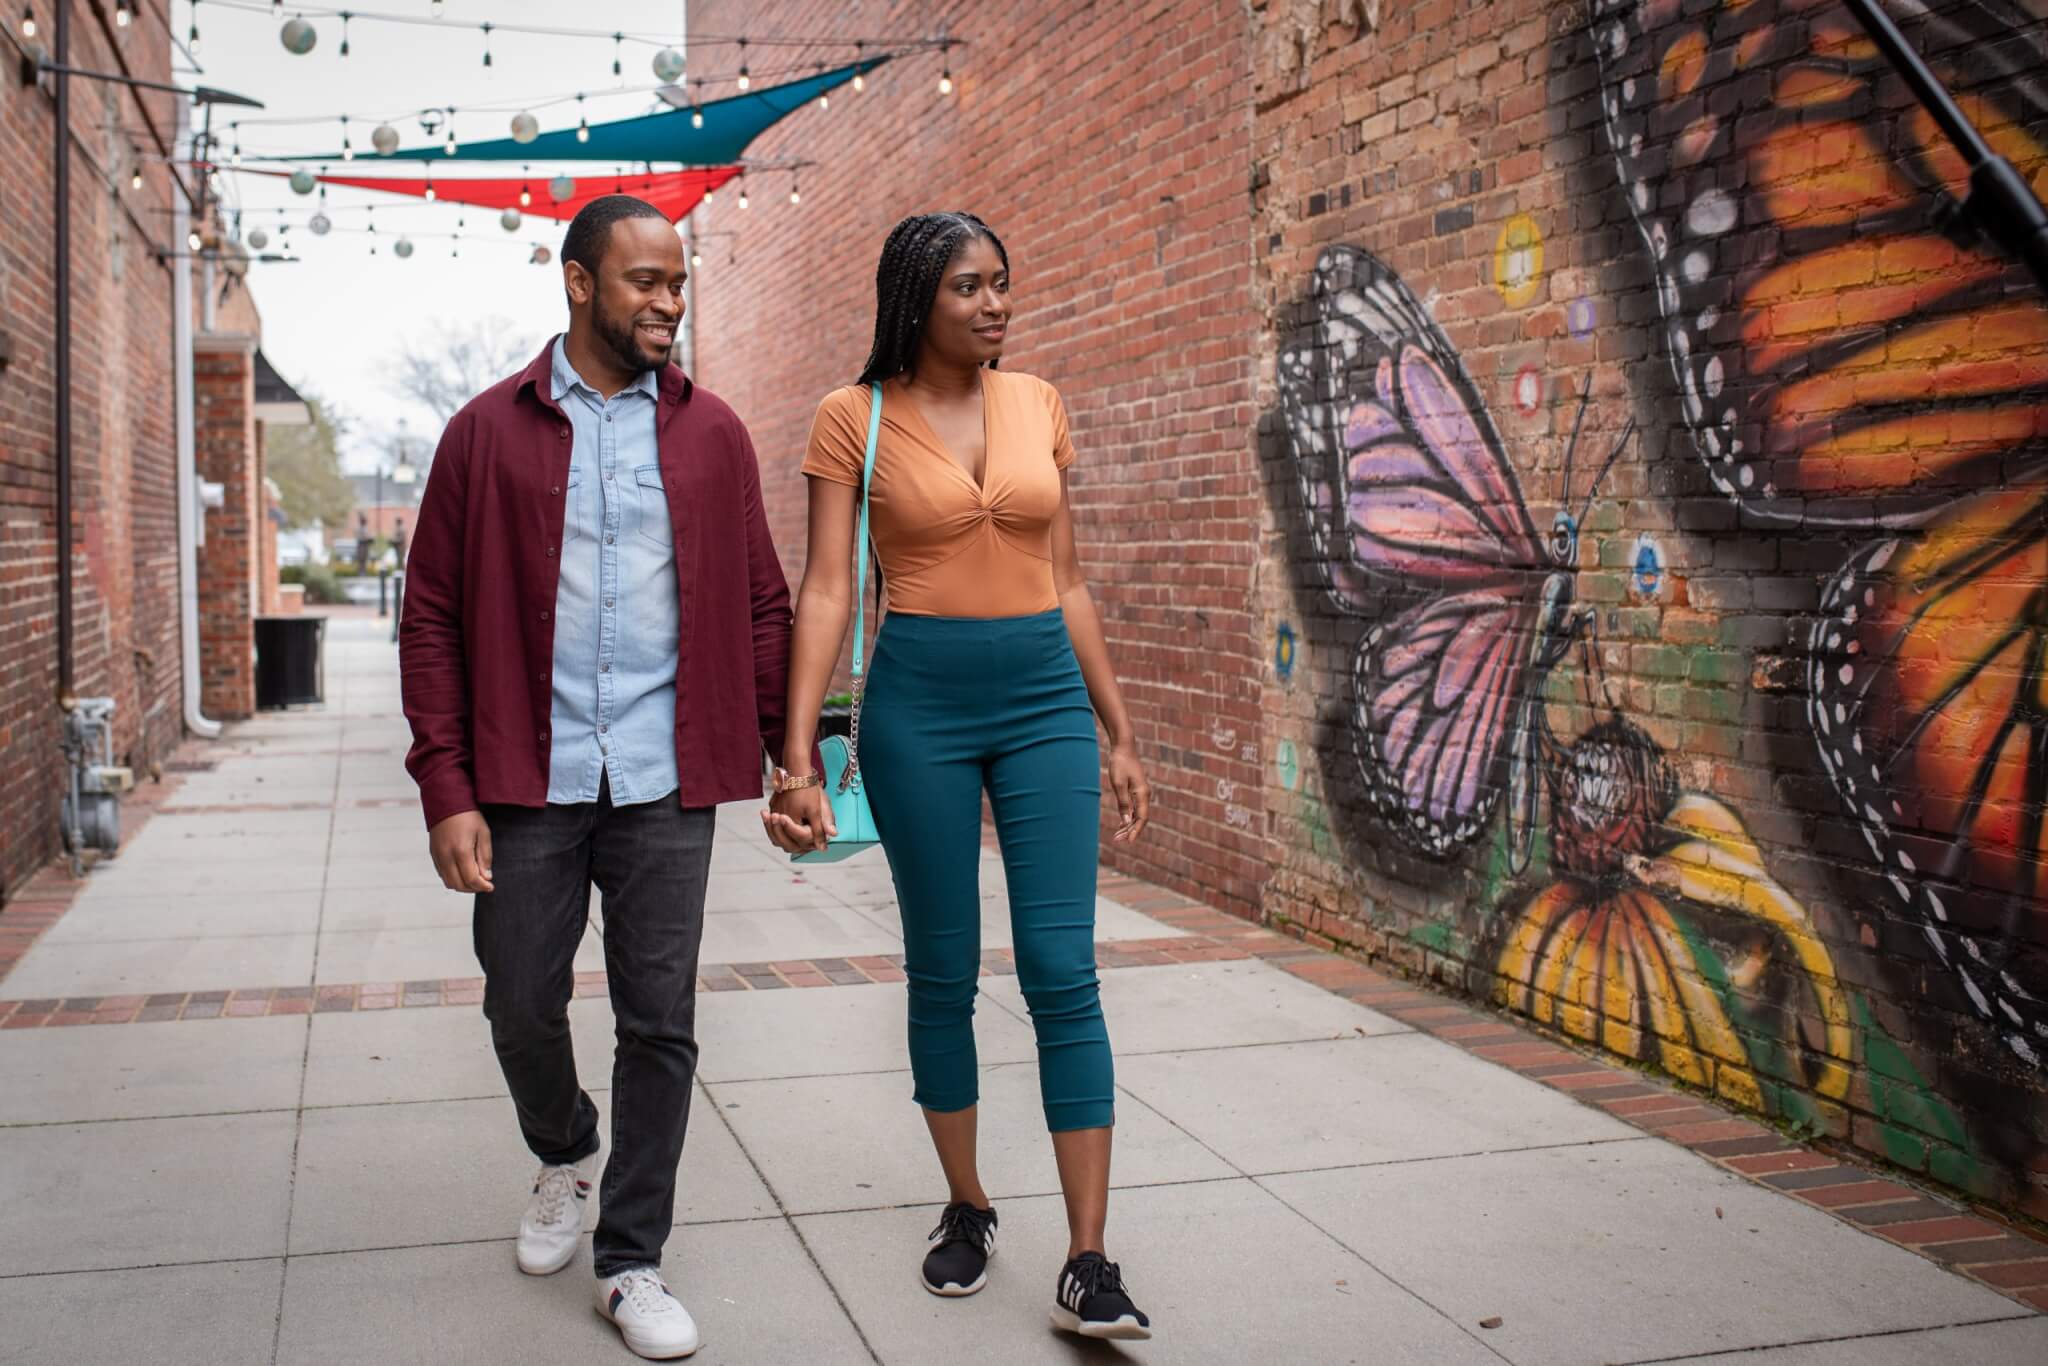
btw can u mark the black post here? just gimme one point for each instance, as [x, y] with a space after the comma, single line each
[62, 272]
[2000, 204]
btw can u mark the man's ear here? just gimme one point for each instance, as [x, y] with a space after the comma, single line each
[578, 281]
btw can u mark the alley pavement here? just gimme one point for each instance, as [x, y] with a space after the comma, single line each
[294, 1145]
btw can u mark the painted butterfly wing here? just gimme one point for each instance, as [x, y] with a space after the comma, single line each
[1928, 694]
[1407, 486]
[1838, 360]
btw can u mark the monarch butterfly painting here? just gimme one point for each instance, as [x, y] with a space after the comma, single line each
[1850, 358]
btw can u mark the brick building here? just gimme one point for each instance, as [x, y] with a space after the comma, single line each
[1714, 756]
[127, 637]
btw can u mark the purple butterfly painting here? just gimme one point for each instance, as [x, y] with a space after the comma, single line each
[1410, 499]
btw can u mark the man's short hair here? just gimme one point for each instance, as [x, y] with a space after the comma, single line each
[591, 230]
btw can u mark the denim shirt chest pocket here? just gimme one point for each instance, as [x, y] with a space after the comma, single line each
[650, 507]
[575, 520]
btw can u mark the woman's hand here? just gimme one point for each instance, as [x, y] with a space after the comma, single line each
[800, 821]
[1133, 793]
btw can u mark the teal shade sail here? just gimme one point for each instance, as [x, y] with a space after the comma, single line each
[664, 137]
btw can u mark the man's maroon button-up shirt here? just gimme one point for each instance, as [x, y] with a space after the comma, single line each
[476, 648]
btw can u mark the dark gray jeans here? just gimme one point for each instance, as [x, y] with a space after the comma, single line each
[651, 863]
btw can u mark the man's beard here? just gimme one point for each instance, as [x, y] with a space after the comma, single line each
[621, 341]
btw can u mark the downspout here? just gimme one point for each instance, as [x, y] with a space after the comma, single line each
[66, 677]
[190, 528]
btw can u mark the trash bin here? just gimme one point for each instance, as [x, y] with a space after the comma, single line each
[290, 671]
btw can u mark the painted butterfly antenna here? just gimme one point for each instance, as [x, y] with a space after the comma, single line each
[1571, 447]
[1606, 465]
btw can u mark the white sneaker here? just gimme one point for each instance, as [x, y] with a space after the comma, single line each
[653, 1322]
[553, 1222]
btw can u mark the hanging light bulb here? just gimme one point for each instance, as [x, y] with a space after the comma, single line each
[194, 241]
[744, 81]
[541, 255]
[794, 196]
[860, 81]
[438, 11]
[122, 16]
[946, 81]
[258, 239]
[402, 248]
[135, 179]
[668, 64]
[510, 220]
[191, 34]
[696, 117]
[562, 189]
[696, 258]
[449, 146]
[525, 192]
[487, 45]
[582, 123]
[525, 128]
[455, 247]
[430, 195]
[345, 17]
[298, 36]
[707, 196]
[743, 196]
[348, 151]
[385, 139]
[617, 40]
[235, 155]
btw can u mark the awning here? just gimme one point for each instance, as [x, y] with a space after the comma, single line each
[675, 193]
[277, 403]
[664, 137]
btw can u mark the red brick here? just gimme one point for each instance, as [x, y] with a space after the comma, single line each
[1765, 1163]
[1941, 1230]
[1855, 1193]
[2014, 1275]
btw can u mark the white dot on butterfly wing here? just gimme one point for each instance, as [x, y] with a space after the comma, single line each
[1712, 214]
[1694, 266]
[1660, 240]
[1847, 673]
[1906, 862]
[1712, 378]
[1934, 903]
[1628, 88]
[1635, 144]
[1708, 317]
[1640, 192]
[1746, 476]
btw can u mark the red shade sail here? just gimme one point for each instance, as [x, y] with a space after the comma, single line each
[675, 193]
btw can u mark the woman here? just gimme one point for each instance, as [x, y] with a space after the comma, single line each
[984, 676]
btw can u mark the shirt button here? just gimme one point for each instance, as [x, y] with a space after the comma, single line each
[604, 730]
[563, 433]
[604, 668]
[543, 616]
[551, 552]
[607, 474]
[607, 417]
[608, 539]
[556, 491]
[607, 602]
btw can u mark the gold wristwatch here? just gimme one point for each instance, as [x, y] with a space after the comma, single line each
[785, 781]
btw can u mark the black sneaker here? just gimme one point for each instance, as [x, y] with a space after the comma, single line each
[961, 1246]
[1091, 1301]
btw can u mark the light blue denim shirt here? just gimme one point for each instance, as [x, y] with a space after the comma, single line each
[616, 614]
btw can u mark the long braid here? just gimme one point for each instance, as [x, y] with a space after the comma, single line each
[907, 279]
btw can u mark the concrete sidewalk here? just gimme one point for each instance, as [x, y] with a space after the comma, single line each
[288, 1141]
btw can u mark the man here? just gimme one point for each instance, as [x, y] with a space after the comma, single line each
[593, 647]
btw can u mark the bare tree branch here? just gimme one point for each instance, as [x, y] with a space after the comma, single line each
[458, 362]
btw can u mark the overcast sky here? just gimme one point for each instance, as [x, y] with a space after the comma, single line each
[331, 321]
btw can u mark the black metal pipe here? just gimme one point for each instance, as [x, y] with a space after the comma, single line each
[62, 40]
[2000, 203]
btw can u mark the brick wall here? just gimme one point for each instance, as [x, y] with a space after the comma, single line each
[1131, 267]
[125, 528]
[1720, 757]
[232, 562]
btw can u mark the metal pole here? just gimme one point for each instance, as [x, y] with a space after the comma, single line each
[65, 677]
[2000, 204]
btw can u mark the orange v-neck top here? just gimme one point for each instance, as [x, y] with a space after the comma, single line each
[950, 547]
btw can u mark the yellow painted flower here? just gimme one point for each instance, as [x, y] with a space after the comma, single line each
[1603, 954]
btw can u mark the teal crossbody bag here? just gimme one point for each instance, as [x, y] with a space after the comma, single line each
[845, 785]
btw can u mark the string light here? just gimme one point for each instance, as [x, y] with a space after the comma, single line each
[487, 44]
[525, 193]
[946, 81]
[135, 179]
[582, 122]
[348, 151]
[696, 258]
[824, 101]
[430, 195]
[618, 40]
[194, 241]
[345, 17]
[860, 80]
[235, 156]
[298, 36]
[744, 80]
[794, 197]
[122, 15]
[449, 146]
[438, 11]
[191, 34]
[743, 189]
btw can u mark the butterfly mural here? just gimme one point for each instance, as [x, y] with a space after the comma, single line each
[1407, 490]
[1848, 358]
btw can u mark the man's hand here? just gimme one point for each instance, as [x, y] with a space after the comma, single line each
[461, 846]
[800, 821]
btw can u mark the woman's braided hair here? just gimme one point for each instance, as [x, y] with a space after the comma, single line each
[907, 280]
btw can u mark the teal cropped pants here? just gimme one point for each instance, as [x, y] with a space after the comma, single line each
[956, 706]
